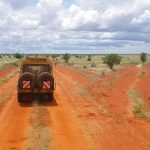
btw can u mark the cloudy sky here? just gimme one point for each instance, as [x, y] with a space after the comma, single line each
[74, 26]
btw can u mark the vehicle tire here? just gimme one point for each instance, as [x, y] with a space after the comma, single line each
[27, 76]
[20, 97]
[45, 76]
[46, 97]
[50, 97]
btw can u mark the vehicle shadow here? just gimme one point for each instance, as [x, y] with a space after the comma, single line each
[26, 104]
[48, 103]
[40, 102]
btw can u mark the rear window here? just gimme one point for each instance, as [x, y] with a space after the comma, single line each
[36, 69]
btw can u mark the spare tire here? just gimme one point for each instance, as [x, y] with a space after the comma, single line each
[27, 76]
[45, 76]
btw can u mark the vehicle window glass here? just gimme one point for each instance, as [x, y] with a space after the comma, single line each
[36, 69]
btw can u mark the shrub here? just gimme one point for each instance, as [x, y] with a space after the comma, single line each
[84, 67]
[66, 57]
[76, 56]
[54, 56]
[93, 65]
[111, 60]
[18, 56]
[143, 57]
[89, 58]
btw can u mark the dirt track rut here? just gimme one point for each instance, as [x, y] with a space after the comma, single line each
[75, 121]
[13, 121]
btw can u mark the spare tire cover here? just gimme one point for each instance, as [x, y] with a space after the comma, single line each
[45, 76]
[27, 76]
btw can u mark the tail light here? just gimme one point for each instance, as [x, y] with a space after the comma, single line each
[46, 84]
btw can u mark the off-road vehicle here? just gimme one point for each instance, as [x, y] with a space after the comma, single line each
[35, 78]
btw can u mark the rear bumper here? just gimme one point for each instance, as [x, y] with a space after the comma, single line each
[35, 91]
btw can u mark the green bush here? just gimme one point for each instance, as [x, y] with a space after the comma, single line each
[111, 60]
[76, 56]
[84, 67]
[143, 57]
[89, 58]
[66, 57]
[18, 56]
[55, 56]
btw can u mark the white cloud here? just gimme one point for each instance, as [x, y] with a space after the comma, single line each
[77, 18]
[143, 18]
[83, 23]
[17, 4]
[90, 4]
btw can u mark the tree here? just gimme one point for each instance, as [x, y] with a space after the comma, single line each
[76, 56]
[66, 57]
[111, 60]
[89, 58]
[18, 56]
[143, 57]
[54, 56]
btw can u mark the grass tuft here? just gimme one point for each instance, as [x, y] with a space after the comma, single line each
[39, 131]
[142, 73]
[139, 110]
[12, 74]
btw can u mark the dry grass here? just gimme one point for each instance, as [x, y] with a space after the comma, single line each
[96, 63]
[82, 90]
[142, 73]
[4, 97]
[139, 110]
[11, 75]
[5, 59]
[39, 130]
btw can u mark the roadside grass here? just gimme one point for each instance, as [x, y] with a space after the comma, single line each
[138, 110]
[4, 97]
[96, 63]
[140, 65]
[39, 130]
[141, 74]
[11, 75]
[81, 90]
[3, 65]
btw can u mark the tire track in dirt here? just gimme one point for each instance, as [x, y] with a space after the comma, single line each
[115, 132]
[66, 131]
[13, 120]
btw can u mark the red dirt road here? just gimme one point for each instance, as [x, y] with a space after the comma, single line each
[85, 115]
[13, 120]
[112, 129]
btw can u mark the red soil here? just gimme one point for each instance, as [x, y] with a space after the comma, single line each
[114, 129]
[85, 115]
[13, 120]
